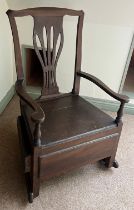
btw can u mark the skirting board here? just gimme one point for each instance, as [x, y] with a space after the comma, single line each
[4, 102]
[108, 105]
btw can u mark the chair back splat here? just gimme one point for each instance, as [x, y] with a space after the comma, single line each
[48, 22]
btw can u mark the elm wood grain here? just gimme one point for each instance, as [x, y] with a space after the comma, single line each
[62, 131]
[70, 115]
[56, 146]
[64, 160]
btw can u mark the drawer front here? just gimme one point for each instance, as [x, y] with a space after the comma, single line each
[64, 160]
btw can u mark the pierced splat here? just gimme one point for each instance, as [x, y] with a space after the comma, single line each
[48, 30]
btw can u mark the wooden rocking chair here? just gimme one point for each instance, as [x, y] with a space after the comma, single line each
[59, 132]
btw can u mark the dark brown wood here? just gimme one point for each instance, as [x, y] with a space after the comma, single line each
[60, 132]
[78, 57]
[18, 59]
[122, 98]
[120, 113]
[61, 115]
[119, 97]
[50, 57]
[109, 161]
[64, 160]
[37, 115]
[47, 18]
[44, 11]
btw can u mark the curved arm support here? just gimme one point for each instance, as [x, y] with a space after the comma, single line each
[37, 116]
[99, 83]
[122, 98]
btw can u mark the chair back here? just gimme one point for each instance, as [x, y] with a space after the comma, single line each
[48, 21]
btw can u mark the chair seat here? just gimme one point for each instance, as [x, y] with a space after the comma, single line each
[69, 117]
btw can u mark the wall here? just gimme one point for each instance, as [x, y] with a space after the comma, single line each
[105, 11]
[107, 34]
[6, 63]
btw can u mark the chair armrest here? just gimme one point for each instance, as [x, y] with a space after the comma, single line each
[99, 83]
[122, 98]
[38, 115]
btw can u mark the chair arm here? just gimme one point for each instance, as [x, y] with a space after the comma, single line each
[99, 83]
[38, 115]
[122, 98]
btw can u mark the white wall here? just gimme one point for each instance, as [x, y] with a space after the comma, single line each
[107, 34]
[6, 64]
[115, 12]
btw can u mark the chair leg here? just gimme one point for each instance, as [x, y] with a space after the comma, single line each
[32, 174]
[32, 178]
[35, 173]
[110, 162]
[30, 197]
[115, 164]
[36, 187]
[32, 187]
[29, 187]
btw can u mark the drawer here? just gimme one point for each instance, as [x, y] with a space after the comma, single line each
[61, 161]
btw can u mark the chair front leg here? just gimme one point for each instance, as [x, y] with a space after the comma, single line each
[37, 134]
[35, 160]
[120, 113]
[110, 161]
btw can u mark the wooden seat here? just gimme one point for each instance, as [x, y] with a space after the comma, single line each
[69, 117]
[60, 132]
